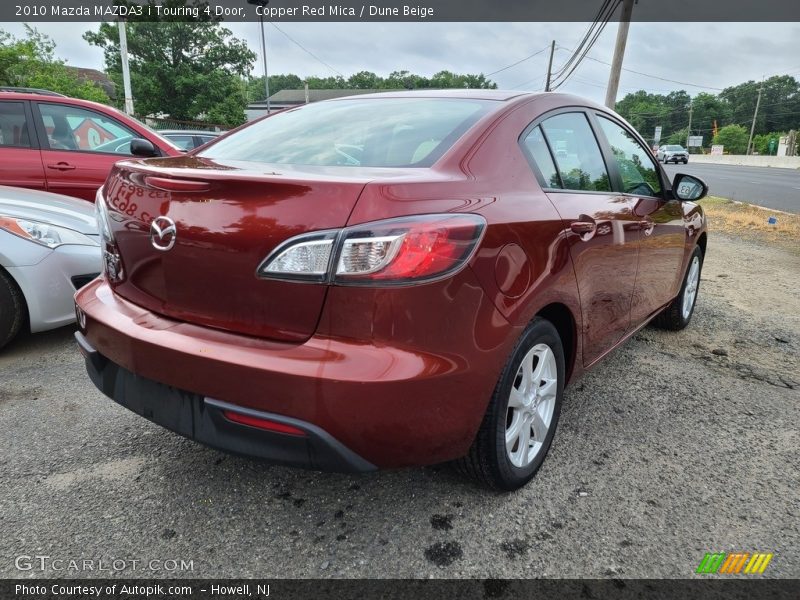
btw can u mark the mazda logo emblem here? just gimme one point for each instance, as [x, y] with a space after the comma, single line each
[163, 233]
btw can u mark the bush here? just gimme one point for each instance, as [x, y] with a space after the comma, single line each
[734, 138]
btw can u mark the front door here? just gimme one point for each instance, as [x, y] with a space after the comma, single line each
[80, 147]
[663, 237]
[601, 225]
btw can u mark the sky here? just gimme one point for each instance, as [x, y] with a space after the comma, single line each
[711, 56]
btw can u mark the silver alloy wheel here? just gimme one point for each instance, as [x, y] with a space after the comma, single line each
[690, 291]
[531, 405]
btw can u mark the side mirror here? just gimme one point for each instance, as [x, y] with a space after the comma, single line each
[143, 148]
[688, 187]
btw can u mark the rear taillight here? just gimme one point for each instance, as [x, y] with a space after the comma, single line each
[112, 261]
[405, 250]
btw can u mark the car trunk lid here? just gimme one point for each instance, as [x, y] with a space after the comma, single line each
[228, 217]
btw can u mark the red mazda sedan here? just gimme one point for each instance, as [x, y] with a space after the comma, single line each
[389, 280]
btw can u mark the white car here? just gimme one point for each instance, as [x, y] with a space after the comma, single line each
[49, 248]
[672, 153]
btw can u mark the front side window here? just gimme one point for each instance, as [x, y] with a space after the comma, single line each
[14, 129]
[636, 167]
[74, 128]
[377, 132]
[577, 154]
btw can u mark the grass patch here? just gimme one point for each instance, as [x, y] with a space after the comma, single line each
[740, 218]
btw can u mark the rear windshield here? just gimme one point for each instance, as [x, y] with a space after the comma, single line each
[378, 132]
[674, 147]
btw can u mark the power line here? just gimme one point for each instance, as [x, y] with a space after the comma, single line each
[518, 62]
[705, 87]
[589, 39]
[306, 50]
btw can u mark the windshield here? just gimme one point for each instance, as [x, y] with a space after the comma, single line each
[377, 132]
[675, 148]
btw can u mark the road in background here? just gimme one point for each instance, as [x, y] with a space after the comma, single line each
[765, 186]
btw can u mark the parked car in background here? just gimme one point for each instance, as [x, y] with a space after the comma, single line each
[49, 247]
[398, 279]
[63, 145]
[189, 140]
[672, 153]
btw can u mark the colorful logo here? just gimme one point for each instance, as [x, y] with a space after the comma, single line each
[734, 563]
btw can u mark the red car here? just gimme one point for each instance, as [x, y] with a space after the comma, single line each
[67, 146]
[389, 280]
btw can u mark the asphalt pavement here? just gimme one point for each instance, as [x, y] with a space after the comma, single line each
[679, 444]
[765, 186]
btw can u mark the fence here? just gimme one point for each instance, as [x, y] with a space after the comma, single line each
[159, 123]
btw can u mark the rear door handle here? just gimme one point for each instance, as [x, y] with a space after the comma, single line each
[61, 166]
[647, 226]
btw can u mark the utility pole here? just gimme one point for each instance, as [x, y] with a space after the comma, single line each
[263, 5]
[126, 75]
[755, 114]
[550, 66]
[619, 53]
[689, 130]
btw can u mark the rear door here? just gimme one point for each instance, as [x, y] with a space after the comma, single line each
[20, 157]
[663, 238]
[79, 147]
[601, 225]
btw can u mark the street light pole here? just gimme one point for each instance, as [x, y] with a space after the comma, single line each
[263, 4]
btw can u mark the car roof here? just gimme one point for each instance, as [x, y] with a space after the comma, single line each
[467, 94]
[39, 97]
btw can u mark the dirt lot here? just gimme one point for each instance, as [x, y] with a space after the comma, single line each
[677, 445]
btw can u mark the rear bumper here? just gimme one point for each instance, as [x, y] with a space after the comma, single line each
[204, 420]
[387, 405]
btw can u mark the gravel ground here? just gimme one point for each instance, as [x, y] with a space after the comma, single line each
[677, 445]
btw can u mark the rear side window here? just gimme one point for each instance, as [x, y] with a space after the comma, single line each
[14, 129]
[540, 153]
[635, 163]
[577, 154]
[378, 132]
[184, 142]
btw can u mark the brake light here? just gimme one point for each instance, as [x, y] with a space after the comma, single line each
[398, 251]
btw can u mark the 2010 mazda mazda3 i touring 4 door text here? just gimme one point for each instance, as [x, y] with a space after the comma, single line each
[389, 280]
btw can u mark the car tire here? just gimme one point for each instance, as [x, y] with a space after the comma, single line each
[12, 308]
[679, 312]
[518, 404]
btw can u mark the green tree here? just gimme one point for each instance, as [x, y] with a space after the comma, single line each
[256, 91]
[364, 80]
[734, 138]
[677, 137]
[188, 69]
[30, 62]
